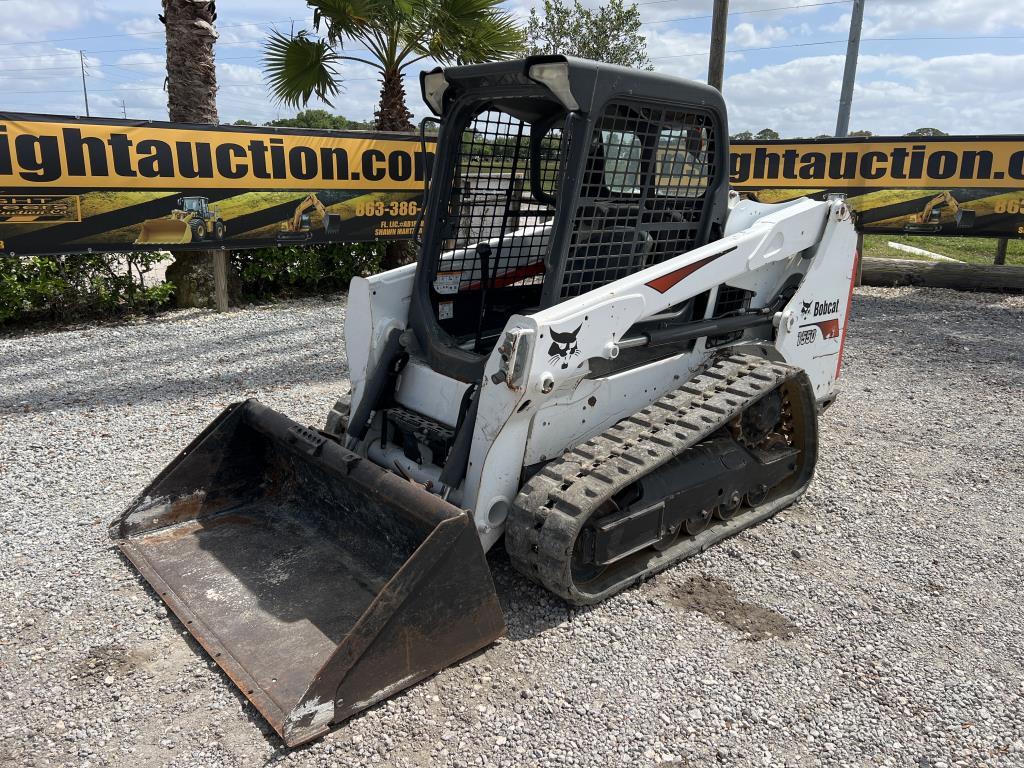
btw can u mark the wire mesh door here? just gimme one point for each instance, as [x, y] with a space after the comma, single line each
[493, 263]
[642, 199]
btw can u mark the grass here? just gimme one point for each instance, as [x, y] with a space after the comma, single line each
[973, 250]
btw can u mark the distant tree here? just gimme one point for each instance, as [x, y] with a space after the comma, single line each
[927, 132]
[243, 122]
[860, 133]
[766, 134]
[321, 119]
[824, 136]
[742, 136]
[610, 32]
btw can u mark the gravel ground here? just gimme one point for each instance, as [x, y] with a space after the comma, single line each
[877, 622]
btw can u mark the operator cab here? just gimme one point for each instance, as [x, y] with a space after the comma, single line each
[556, 176]
[193, 205]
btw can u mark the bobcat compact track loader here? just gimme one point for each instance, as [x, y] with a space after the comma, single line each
[600, 355]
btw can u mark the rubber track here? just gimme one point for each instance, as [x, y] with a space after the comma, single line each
[553, 506]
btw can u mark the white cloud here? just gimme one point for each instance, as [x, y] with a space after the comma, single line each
[746, 35]
[145, 62]
[244, 35]
[679, 53]
[239, 74]
[895, 17]
[145, 25]
[38, 66]
[37, 19]
[893, 95]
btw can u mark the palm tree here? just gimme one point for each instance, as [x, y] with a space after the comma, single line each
[395, 35]
[191, 70]
[191, 98]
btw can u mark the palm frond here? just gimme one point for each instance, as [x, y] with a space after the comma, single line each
[466, 31]
[299, 67]
[346, 18]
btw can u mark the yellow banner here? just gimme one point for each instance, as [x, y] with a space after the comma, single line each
[981, 162]
[81, 154]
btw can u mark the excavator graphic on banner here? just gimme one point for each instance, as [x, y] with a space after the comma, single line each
[930, 218]
[299, 228]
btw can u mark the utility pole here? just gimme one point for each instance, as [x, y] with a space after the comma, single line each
[850, 72]
[719, 26]
[124, 111]
[85, 91]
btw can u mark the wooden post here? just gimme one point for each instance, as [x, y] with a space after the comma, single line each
[220, 279]
[1001, 250]
[719, 26]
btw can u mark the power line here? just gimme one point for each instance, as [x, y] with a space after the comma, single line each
[160, 87]
[656, 58]
[146, 50]
[738, 13]
[835, 42]
[686, 18]
[138, 34]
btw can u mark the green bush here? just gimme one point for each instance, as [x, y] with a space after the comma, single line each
[295, 270]
[66, 288]
[72, 287]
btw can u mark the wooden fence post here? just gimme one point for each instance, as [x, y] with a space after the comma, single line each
[220, 279]
[1001, 250]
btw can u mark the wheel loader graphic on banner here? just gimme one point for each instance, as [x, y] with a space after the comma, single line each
[194, 220]
[610, 363]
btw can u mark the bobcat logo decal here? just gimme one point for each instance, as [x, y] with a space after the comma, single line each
[563, 346]
[805, 307]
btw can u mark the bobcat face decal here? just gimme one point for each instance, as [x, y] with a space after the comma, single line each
[563, 346]
[805, 308]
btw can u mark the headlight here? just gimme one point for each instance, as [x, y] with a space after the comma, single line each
[434, 85]
[554, 75]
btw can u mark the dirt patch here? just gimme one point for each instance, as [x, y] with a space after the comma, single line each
[717, 600]
[103, 660]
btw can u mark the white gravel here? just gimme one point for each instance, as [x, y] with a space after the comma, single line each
[877, 622]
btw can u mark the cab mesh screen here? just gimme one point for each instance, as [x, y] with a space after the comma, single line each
[490, 199]
[643, 193]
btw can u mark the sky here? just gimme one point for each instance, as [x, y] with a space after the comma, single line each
[950, 64]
